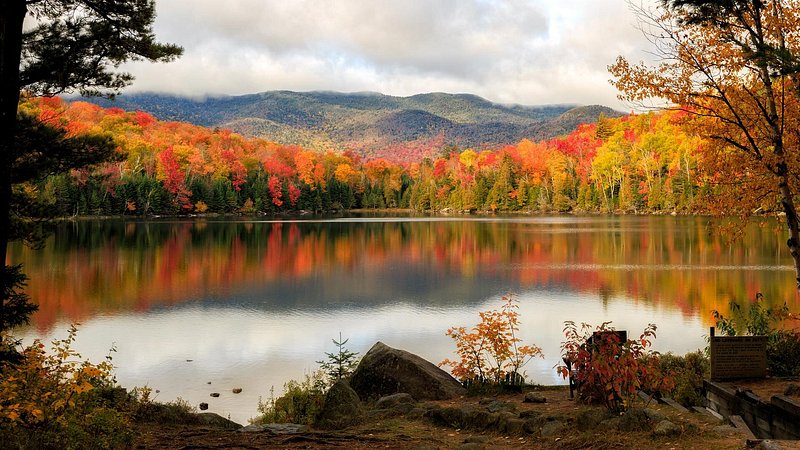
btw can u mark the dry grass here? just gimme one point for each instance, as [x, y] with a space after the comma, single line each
[400, 433]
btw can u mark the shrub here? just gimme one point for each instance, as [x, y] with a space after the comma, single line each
[145, 409]
[56, 400]
[688, 373]
[300, 403]
[490, 353]
[608, 370]
[783, 343]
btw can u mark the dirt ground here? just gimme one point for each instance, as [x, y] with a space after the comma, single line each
[765, 388]
[698, 431]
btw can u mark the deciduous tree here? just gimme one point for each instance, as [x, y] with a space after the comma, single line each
[734, 65]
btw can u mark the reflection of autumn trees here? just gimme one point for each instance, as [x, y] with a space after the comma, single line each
[112, 266]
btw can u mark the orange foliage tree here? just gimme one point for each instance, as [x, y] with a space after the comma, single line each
[491, 352]
[734, 66]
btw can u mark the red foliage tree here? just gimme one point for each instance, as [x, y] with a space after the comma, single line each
[275, 190]
[174, 179]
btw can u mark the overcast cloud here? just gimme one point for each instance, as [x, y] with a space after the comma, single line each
[515, 51]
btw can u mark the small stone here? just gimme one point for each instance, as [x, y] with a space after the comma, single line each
[530, 414]
[609, 424]
[768, 445]
[449, 417]
[653, 415]
[666, 428]
[501, 406]
[502, 419]
[237, 390]
[208, 382]
[216, 421]
[215, 394]
[203, 406]
[476, 439]
[285, 428]
[551, 428]
[792, 390]
[481, 420]
[390, 401]
[634, 420]
[514, 426]
[534, 397]
[189, 360]
[591, 418]
[724, 430]
[471, 446]
[402, 409]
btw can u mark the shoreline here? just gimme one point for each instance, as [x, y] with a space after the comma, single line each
[407, 212]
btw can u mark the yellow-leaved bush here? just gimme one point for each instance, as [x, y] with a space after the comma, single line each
[51, 396]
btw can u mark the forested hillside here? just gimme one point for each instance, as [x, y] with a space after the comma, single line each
[372, 125]
[642, 163]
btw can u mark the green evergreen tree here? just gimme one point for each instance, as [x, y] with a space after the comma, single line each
[340, 364]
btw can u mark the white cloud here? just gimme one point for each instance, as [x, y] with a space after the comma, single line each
[515, 51]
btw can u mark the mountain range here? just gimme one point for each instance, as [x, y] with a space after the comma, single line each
[367, 123]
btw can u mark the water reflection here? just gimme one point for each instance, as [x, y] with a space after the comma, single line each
[254, 303]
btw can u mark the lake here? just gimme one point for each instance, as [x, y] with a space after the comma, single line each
[254, 303]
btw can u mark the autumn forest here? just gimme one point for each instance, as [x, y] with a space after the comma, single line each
[646, 163]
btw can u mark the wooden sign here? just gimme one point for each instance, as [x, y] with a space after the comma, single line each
[738, 357]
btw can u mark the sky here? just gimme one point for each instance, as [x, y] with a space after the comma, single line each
[513, 52]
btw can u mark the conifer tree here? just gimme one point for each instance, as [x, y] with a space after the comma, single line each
[68, 45]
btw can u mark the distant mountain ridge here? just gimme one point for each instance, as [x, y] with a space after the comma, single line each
[368, 123]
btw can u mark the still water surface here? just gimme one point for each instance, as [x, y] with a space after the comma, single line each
[252, 304]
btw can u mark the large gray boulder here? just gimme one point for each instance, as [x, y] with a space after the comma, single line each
[385, 371]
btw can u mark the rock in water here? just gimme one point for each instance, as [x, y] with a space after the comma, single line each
[342, 408]
[385, 370]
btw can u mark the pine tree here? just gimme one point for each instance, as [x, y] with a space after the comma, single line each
[340, 364]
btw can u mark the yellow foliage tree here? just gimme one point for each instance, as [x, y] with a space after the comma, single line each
[734, 66]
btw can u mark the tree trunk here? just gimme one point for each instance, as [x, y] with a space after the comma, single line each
[12, 15]
[793, 224]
